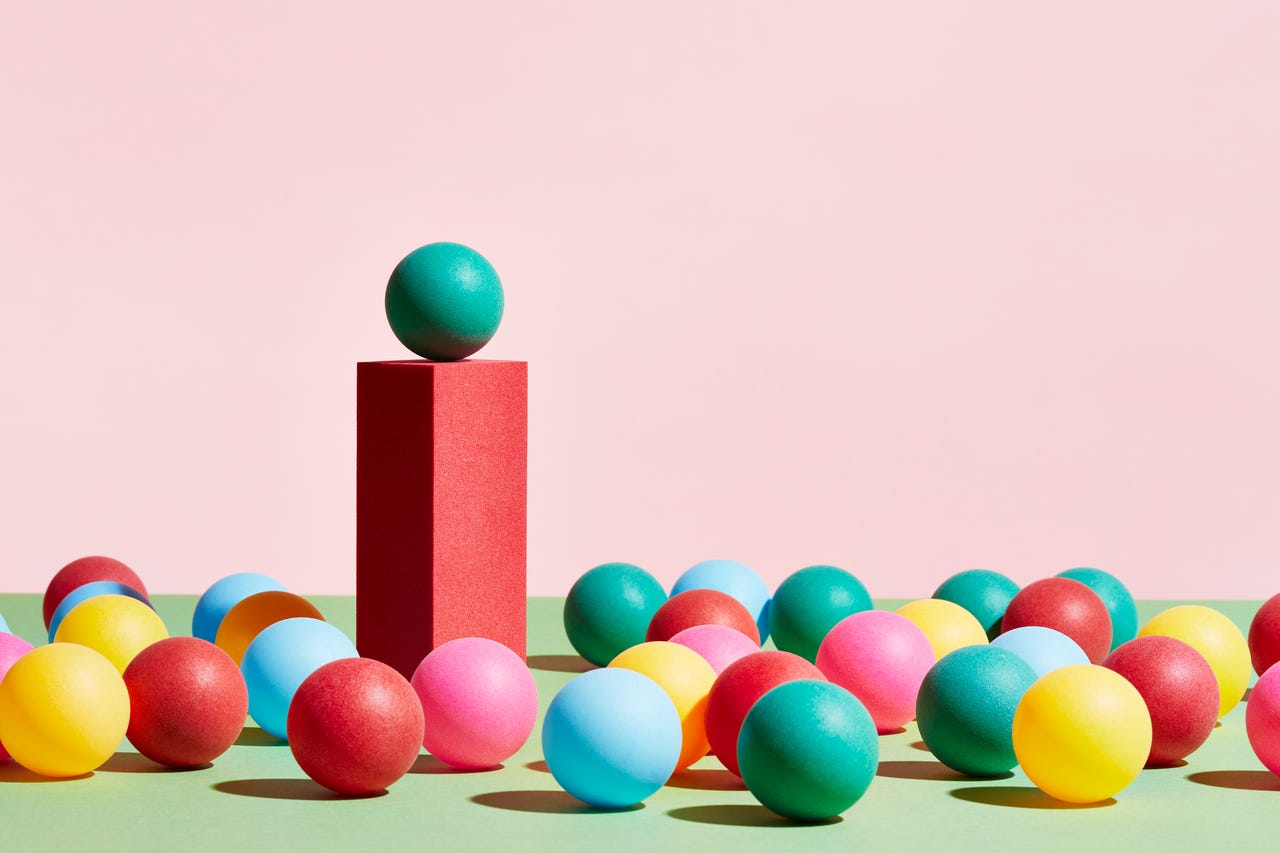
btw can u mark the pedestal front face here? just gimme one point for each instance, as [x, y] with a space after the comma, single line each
[440, 506]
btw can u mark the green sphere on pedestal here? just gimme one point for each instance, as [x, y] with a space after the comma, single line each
[444, 301]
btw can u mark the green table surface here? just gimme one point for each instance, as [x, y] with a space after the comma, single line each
[255, 796]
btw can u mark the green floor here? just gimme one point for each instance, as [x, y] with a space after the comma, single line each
[255, 796]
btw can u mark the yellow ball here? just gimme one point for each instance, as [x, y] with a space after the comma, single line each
[687, 678]
[116, 626]
[1082, 733]
[947, 625]
[64, 710]
[1214, 636]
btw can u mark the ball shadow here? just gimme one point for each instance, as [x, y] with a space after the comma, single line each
[559, 663]
[430, 765]
[920, 745]
[540, 766]
[1020, 798]
[132, 762]
[744, 815]
[543, 802]
[12, 771]
[706, 779]
[1172, 765]
[1238, 780]
[929, 771]
[1248, 691]
[285, 789]
[900, 730]
[254, 736]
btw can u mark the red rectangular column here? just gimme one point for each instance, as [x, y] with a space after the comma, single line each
[440, 506]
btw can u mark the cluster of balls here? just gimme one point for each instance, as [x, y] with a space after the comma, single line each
[1055, 677]
[355, 725]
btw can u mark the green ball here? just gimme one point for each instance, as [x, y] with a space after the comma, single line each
[965, 708]
[444, 301]
[808, 750]
[983, 593]
[608, 610]
[1116, 596]
[809, 603]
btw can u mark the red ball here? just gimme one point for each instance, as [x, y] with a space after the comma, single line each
[1064, 605]
[85, 570]
[187, 702]
[1264, 635]
[1179, 688]
[741, 684]
[355, 726]
[701, 607]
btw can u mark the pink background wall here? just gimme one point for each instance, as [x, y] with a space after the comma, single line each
[906, 287]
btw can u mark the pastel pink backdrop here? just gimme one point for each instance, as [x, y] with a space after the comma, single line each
[905, 287]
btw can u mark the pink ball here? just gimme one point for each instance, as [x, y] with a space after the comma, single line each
[12, 647]
[719, 645]
[881, 658]
[479, 702]
[1262, 719]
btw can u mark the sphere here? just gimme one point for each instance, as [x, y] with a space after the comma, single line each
[63, 710]
[1264, 635]
[4, 626]
[187, 702]
[255, 612]
[355, 726]
[983, 593]
[719, 645]
[86, 592]
[1064, 605]
[444, 301]
[1179, 688]
[687, 680]
[1215, 637]
[731, 578]
[880, 658]
[1262, 719]
[280, 658]
[609, 608]
[808, 750]
[1117, 599]
[739, 687]
[966, 705]
[809, 603]
[12, 647]
[947, 625]
[701, 607]
[611, 737]
[85, 570]
[1082, 733]
[479, 702]
[1044, 649]
[222, 596]
[116, 626]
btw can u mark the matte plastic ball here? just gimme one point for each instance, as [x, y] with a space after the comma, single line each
[719, 645]
[224, 595]
[479, 701]
[1264, 635]
[188, 702]
[250, 615]
[444, 301]
[947, 625]
[1117, 598]
[1179, 688]
[809, 603]
[63, 710]
[701, 607]
[1262, 719]
[85, 570]
[611, 737]
[4, 626]
[86, 592]
[12, 647]
[1214, 636]
[739, 687]
[1082, 733]
[280, 658]
[687, 680]
[966, 705]
[116, 626]
[1044, 649]
[609, 608]
[1064, 605]
[880, 658]
[983, 593]
[355, 726]
[732, 578]
[808, 750]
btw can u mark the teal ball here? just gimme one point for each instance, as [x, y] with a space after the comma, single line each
[984, 593]
[1116, 596]
[608, 610]
[444, 301]
[809, 603]
[808, 750]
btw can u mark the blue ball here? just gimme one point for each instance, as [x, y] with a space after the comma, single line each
[733, 579]
[611, 737]
[280, 658]
[1116, 596]
[4, 626]
[224, 595]
[86, 592]
[1044, 649]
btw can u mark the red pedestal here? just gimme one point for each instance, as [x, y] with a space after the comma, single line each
[440, 506]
